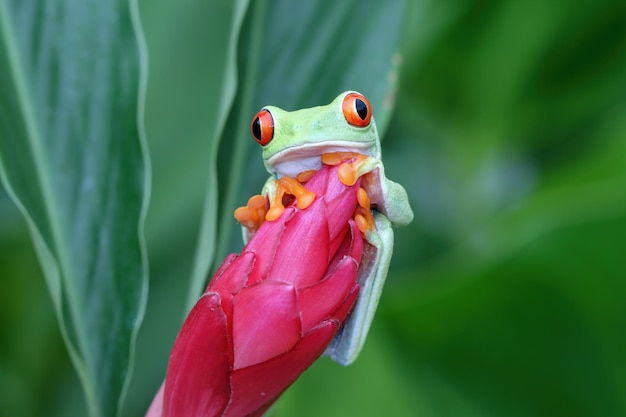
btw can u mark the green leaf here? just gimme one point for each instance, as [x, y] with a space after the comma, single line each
[72, 158]
[205, 250]
[188, 45]
[537, 333]
[296, 55]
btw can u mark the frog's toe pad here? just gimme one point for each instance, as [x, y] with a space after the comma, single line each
[290, 186]
[363, 214]
[353, 165]
[251, 215]
[274, 213]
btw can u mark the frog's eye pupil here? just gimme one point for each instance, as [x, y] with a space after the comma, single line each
[262, 127]
[256, 128]
[356, 110]
[361, 108]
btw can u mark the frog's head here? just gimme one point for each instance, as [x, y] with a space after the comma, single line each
[293, 142]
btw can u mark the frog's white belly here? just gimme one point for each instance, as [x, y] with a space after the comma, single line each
[291, 161]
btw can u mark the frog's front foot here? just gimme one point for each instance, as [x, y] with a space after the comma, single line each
[291, 186]
[260, 208]
[251, 215]
[353, 165]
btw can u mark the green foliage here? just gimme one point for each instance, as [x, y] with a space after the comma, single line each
[71, 159]
[505, 296]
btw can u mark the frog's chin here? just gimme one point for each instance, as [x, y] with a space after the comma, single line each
[291, 161]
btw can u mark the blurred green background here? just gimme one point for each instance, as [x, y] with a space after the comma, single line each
[506, 296]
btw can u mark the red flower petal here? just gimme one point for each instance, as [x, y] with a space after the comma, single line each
[341, 209]
[266, 322]
[352, 246]
[335, 187]
[336, 243]
[356, 248]
[234, 276]
[302, 255]
[198, 375]
[319, 301]
[246, 339]
[264, 244]
[346, 305]
[278, 373]
[340, 199]
[319, 183]
[227, 261]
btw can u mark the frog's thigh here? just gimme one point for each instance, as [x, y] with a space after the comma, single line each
[348, 342]
[396, 203]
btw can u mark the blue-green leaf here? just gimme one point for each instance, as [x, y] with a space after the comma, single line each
[72, 159]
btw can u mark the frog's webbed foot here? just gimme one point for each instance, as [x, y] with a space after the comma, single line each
[353, 165]
[291, 186]
[252, 215]
[260, 208]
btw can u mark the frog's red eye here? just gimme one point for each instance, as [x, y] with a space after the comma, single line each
[262, 127]
[357, 110]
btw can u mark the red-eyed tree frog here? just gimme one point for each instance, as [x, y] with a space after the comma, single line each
[295, 144]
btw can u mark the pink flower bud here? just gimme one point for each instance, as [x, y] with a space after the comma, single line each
[269, 312]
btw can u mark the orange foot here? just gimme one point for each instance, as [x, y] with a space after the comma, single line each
[288, 185]
[363, 214]
[353, 165]
[252, 215]
[260, 209]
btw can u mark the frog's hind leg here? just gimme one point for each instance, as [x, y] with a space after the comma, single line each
[395, 203]
[388, 197]
[347, 344]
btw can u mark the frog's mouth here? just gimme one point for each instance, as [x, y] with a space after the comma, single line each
[293, 160]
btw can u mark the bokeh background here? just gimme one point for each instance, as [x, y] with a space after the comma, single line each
[505, 297]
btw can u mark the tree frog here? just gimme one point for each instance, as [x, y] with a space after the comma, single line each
[297, 143]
